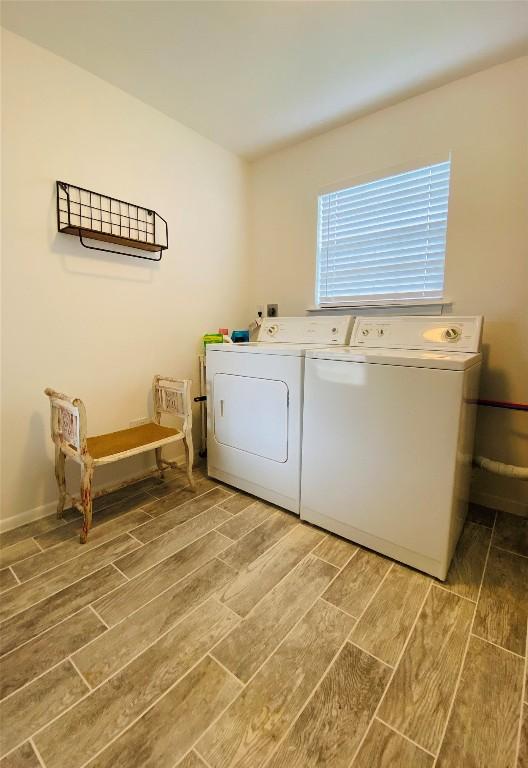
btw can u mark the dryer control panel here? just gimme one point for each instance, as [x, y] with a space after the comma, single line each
[325, 331]
[448, 332]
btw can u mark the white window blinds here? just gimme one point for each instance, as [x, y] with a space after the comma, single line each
[384, 241]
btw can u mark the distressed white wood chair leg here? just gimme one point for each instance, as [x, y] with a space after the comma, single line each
[189, 454]
[87, 471]
[60, 462]
[160, 463]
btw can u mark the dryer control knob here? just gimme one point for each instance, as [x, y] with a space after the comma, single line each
[452, 334]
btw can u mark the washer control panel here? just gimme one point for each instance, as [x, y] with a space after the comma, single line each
[306, 330]
[460, 334]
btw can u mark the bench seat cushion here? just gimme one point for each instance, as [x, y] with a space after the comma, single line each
[130, 439]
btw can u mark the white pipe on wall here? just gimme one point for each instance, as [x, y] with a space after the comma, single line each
[498, 468]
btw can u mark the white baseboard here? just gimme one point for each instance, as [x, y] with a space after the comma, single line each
[8, 523]
[499, 502]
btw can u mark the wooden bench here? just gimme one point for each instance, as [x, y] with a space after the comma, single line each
[69, 434]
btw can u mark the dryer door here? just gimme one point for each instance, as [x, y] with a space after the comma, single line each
[251, 414]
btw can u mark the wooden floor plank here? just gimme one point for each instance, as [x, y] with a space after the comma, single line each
[44, 615]
[192, 760]
[168, 521]
[418, 698]
[31, 707]
[19, 551]
[331, 726]
[23, 757]
[173, 479]
[511, 532]
[503, 604]
[237, 503]
[357, 582]
[249, 730]
[54, 556]
[172, 541]
[125, 492]
[72, 529]
[46, 584]
[165, 733]
[384, 627]
[522, 761]
[171, 495]
[242, 552]
[482, 515]
[465, 572]
[383, 748]
[32, 659]
[28, 530]
[258, 578]
[134, 593]
[7, 580]
[483, 727]
[251, 642]
[80, 733]
[180, 485]
[335, 550]
[120, 644]
[245, 521]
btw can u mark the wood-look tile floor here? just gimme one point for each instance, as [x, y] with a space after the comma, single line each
[213, 630]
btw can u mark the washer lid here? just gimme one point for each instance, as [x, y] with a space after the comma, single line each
[452, 361]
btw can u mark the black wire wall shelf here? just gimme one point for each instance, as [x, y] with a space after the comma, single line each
[92, 216]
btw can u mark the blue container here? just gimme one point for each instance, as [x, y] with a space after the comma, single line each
[239, 336]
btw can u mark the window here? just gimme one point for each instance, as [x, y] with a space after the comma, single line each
[384, 242]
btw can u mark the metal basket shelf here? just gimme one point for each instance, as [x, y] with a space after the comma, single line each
[93, 216]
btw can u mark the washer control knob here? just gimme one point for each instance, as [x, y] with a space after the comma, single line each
[365, 332]
[272, 329]
[452, 334]
[381, 332]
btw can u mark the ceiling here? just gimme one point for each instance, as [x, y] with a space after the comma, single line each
[255, 76]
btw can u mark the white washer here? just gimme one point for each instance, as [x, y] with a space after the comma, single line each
[254, 413]
[388, 436]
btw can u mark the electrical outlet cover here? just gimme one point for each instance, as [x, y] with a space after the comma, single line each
[273, 310]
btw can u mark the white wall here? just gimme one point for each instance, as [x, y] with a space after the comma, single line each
[95, 326]
[483, 121]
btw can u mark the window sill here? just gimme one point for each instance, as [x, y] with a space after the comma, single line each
[413, 307]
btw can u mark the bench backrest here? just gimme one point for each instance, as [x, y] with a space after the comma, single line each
[68, 423]
[172, 396]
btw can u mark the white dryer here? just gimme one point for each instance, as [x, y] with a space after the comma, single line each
[255, 397]
[388, 436]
